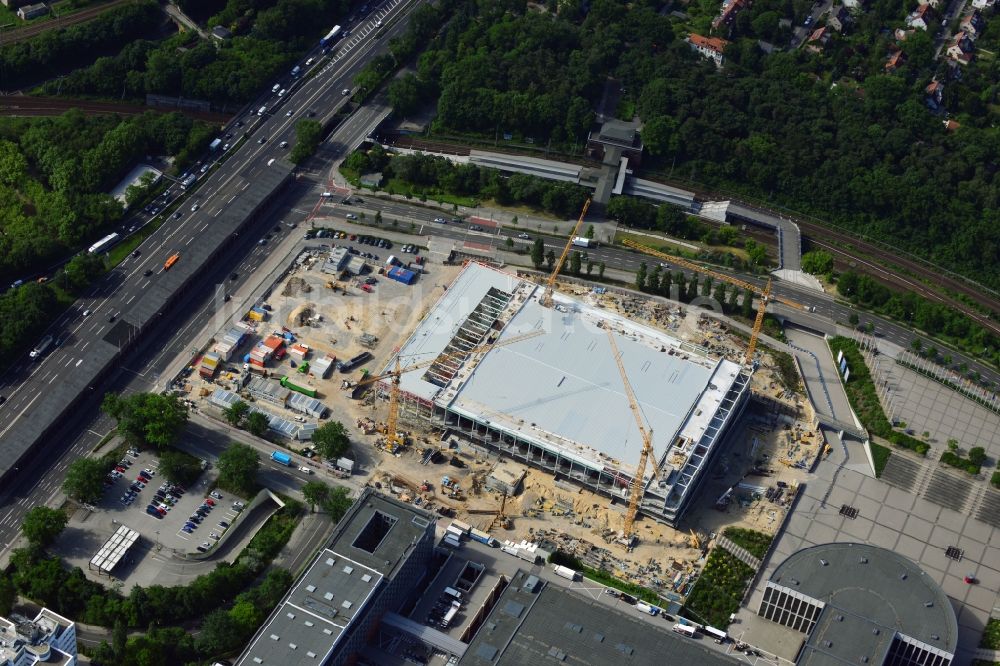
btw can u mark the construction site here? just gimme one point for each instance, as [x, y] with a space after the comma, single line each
[625, 430]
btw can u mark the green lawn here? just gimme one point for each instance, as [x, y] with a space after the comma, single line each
[755, 542]
[880, 455]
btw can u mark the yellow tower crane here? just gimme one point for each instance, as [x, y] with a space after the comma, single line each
[393, 438]
[764, 294]
[551, 283]
[635, 493]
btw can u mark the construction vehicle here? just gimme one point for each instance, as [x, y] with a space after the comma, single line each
[627, 537]
[551, 283]
[695, 541]
[394, 439]
[763, 293]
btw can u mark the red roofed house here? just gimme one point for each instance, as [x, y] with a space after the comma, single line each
[920, 17]
[973, 24]
[961, 49]
[935, 93]
[709, 47]
[729, 11]
[895, 61]
[818, 39]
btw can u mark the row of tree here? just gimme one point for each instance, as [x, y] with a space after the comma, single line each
[430, 175]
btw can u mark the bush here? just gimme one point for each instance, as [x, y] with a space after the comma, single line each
[755, 542]
[880, 455]
[957, 461]
[719, 590]
[995, 480]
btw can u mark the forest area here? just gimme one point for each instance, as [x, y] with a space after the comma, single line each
[868, 157]
[268, 37]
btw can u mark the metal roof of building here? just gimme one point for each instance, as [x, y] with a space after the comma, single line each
[562, 389]
[339, 585]
[531, 622]
[114, 549]
[872, 589]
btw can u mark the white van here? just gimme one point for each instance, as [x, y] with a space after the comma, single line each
[262, 110]
[276, 88]
[281, 93]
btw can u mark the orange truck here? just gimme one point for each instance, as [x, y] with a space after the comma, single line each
[171, 261]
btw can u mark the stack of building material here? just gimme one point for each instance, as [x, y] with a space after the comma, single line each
[298, 351]
[209, 364]
[321, 366]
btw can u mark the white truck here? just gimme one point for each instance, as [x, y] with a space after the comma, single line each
[581, 241]
[41, 348]
[564, 572]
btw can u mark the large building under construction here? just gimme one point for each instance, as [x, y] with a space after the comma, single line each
[554, 397]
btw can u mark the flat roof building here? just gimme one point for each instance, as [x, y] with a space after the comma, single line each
[861, 604]
[47, 639]
[376, 559]
[556, 399]
[534, 622]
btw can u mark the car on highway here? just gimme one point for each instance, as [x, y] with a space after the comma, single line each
[475, 227]
[195, 207]
[147, 272]
[261, 140]
[283, 144]
[351, 216]
[281, 93]
[85, 313]
[345, 92]
[305, 469]
[177, 215]
[113, 317]
[440, 220]
[288, 114]
[524, 236]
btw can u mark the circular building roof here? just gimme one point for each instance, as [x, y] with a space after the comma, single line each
[870, 595]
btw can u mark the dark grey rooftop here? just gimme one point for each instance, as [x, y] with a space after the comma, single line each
[339, 584]
[871, 589]
[558, 625]
[60, 392]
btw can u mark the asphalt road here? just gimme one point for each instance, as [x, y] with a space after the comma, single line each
[320, 92]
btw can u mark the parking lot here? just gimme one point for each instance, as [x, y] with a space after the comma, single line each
[185, 520]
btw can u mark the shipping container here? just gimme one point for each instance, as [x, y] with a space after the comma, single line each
[298, 389]
[479, 535]
[401, 275]
[452, 541]
[455, 532]
[282, 458]
[564, 572]
[363, 357]
[465, 527]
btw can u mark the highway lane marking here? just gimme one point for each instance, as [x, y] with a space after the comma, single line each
[204, 227]
[54, 377]
[189, 241]
[68, 361]
[130, 299]
[217, 213]
[84, 346]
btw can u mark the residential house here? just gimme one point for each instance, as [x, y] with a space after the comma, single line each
[709, 47]
[983, 4]
[28, 12]
[935, 94]
[221, 33]
[839, 18]
[921, 17]
[961, 49]
[728, 13]
[951, 125]
[14, 4]
[901, 34]
[855, 6]
[973, 24]
[818, 39]
[936, 4]
[896, 60]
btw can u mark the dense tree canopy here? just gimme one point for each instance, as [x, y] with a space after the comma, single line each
[84, 479]
[41, 525]
[865, 154]
[146, 419]
[238, 466]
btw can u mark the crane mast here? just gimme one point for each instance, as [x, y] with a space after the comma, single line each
[635, 493]
[550, 284]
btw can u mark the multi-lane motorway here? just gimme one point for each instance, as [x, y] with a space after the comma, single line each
[38, 477]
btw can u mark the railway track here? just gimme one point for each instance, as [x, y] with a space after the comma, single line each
[23, 105]
[82, 16]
